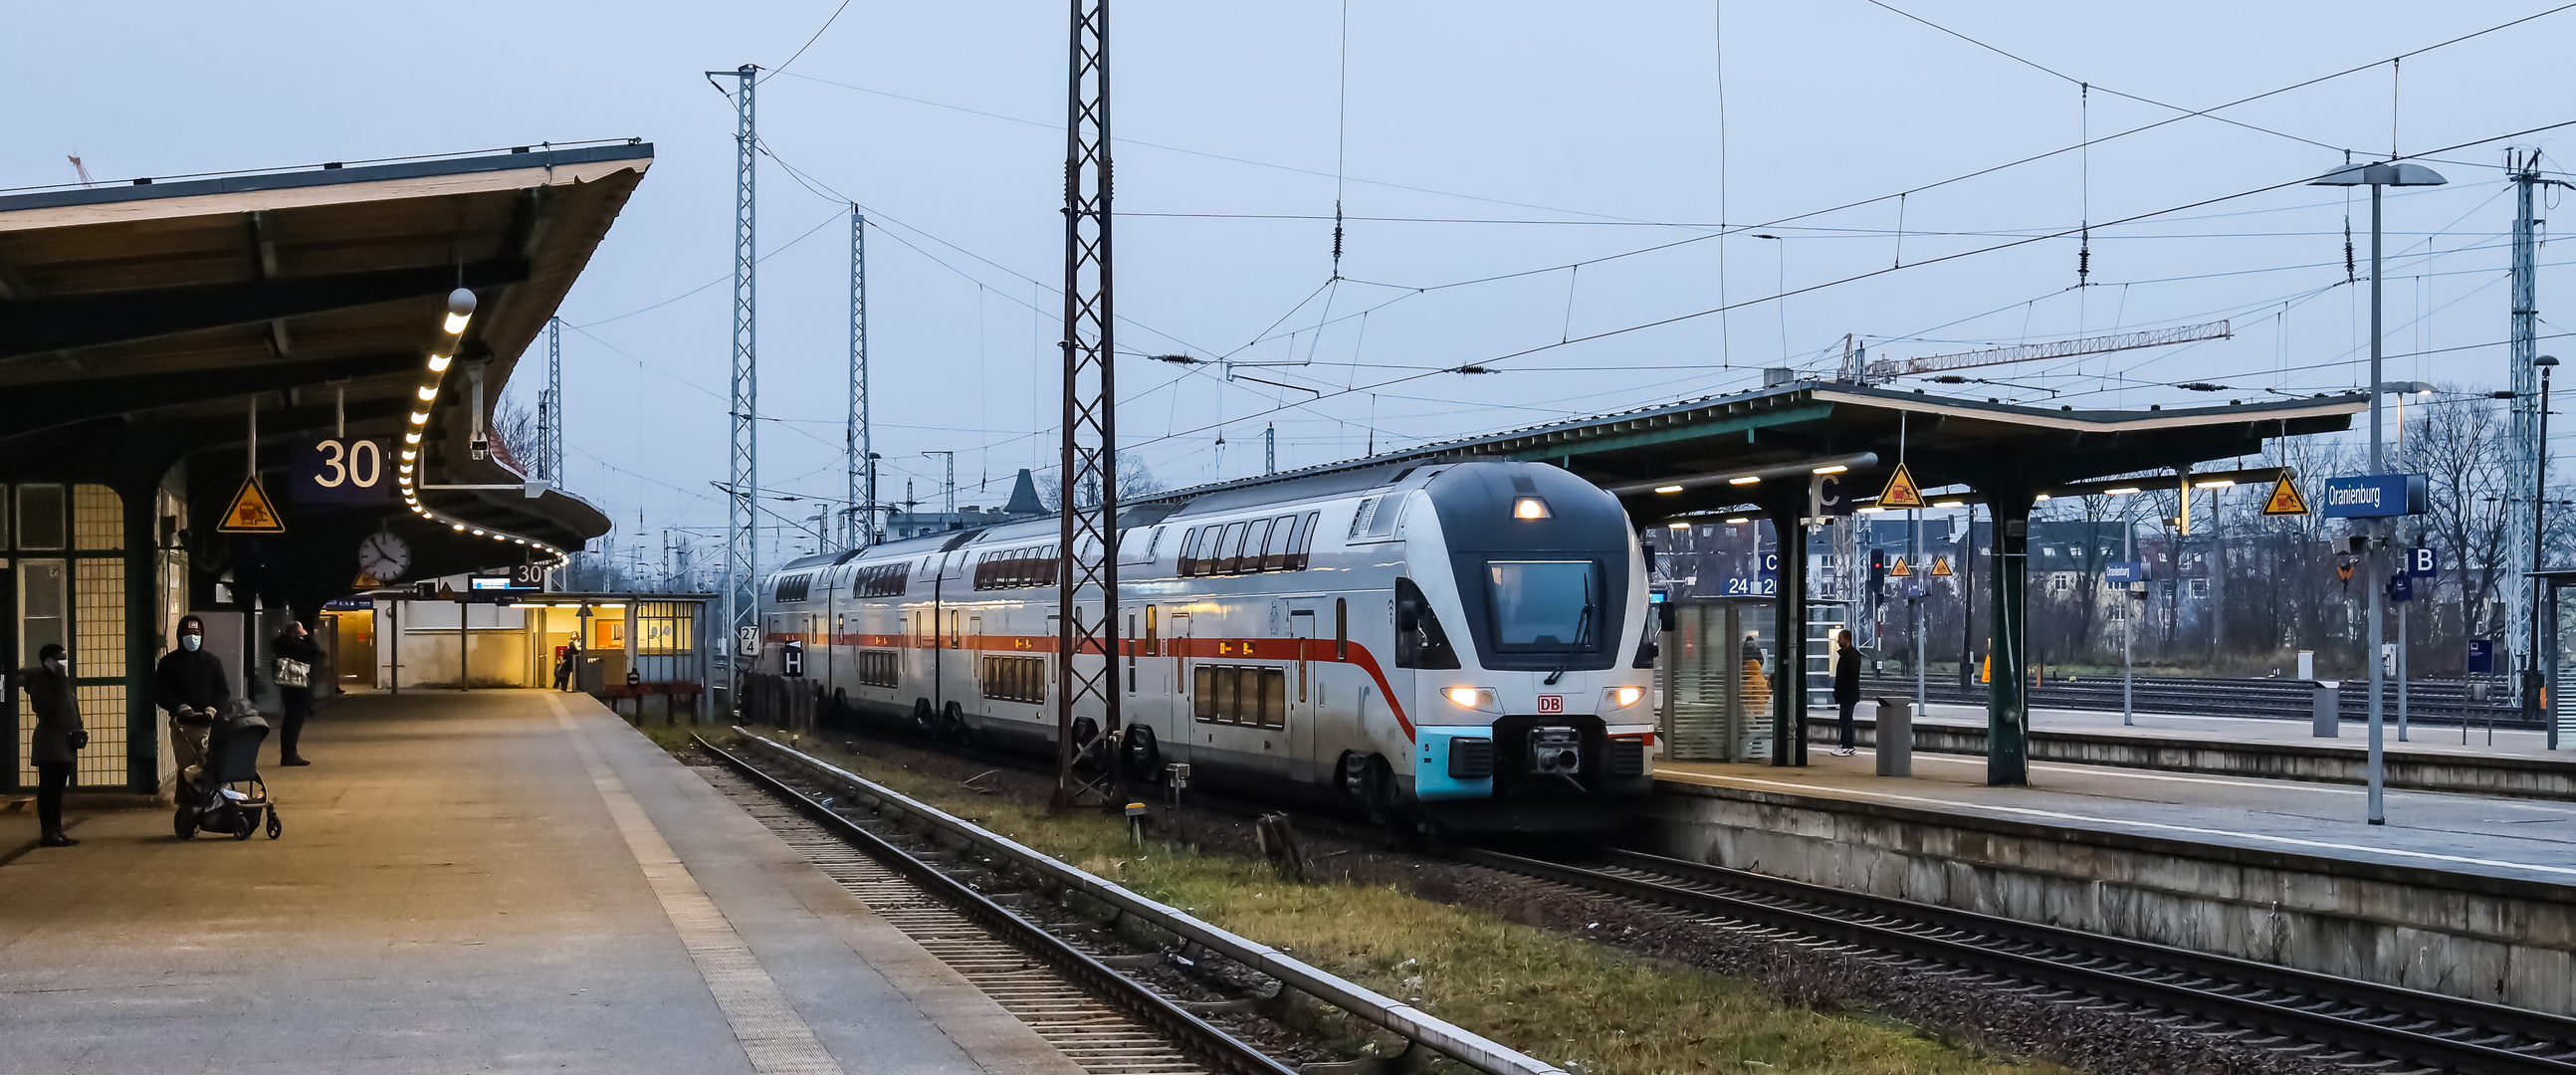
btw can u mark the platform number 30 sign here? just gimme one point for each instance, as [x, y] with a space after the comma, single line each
[336, 470]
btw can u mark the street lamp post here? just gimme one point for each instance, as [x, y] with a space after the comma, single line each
[2532, 676]
[2377, 177]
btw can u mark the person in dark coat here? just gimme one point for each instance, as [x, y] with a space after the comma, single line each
[293, 644]
[190, 685]
[58, 736]
[1847, 660]
[566, 656]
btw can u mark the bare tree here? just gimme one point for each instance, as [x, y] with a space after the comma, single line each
[514, 434]
[1135, 481]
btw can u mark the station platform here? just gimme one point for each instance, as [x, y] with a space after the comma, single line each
[2471, 896]
[2500, 762]
[493, 881]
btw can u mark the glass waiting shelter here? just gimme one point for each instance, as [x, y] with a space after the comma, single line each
[1714, 674]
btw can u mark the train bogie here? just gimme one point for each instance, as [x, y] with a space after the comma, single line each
[1462, 644]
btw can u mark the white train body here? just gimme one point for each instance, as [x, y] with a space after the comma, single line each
[1463, 642]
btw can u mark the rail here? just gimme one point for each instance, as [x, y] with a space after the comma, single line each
[1410, 1023]
[2387, 1021]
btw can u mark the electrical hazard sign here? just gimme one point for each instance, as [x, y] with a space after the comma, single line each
[1901, 492]
[251, 512]
[2285, 498]
[1899, 570]
[1940, 567]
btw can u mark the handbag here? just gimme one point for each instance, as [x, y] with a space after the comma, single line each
[79, 738]
[292, 672]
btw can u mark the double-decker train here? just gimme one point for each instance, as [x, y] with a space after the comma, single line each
[1463, 645]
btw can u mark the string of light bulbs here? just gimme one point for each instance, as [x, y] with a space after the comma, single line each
[460, 313]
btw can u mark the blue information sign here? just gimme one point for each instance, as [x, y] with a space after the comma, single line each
[2372, 496]
[2482, 655]
[2124, 573]
[2401, 587]
[2422, 562]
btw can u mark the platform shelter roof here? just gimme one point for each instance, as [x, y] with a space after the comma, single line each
[141, 319]
[1785, 431]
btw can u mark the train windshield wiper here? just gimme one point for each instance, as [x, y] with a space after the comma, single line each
[1582, 631]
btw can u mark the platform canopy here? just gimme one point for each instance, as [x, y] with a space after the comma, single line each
[141, 321]
[1782, 433]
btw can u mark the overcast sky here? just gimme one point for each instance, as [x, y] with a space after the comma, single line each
[1535, 143]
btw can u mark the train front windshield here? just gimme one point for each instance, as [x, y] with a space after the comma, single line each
[1542, 606]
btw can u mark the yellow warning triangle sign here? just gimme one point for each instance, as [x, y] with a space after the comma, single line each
[2285, 498]
[251, 512]
[1941, 567]
[1899, 570]
[1901, 492]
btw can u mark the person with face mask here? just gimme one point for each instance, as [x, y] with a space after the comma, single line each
[191, 687]
[58, 736]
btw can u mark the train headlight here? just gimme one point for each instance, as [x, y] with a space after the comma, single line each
[1471, 697]
[1623, 697]
[1530, 507]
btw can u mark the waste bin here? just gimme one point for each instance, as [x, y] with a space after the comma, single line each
[1895, 735]
[2328, 716]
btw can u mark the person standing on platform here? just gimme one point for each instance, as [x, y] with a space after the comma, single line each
[190, 686]
[566, 656]
[297, 657]
[58, 736]
[1846, 688]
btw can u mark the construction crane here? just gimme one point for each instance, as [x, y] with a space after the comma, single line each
[1888, 368]
[83, 171]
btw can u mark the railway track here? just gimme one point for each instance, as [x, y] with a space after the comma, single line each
[2340, 1021]
[2361, 1026]
[1107, 1022]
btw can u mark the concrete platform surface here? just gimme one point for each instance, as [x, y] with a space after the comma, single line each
[2441, 740]
[495, 881]
[2502, 837]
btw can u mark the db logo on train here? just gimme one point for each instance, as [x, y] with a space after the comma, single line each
[1551, 703]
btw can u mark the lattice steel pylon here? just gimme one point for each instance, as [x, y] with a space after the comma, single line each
[2523, 426]
[862, 526]
[742, 518]
[550, 449]
[1087, 544]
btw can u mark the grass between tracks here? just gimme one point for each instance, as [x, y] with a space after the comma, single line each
[1590, 1008]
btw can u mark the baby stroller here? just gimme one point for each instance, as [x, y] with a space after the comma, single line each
[224, 793]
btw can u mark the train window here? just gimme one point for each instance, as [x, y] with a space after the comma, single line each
[1153, 625]
[984, 571]
[1274, 696]
[1301, 532]
[1341, 629]
[879, 668]
[1229, 694]
[1360, 518]
[1229, 549]
[1419, 640]
[1015, 679]
[795, 588]
[1204, 680]
[1189, 557]
[1274, 552]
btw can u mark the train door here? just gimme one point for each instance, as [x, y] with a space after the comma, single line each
[1180, 735]
[1302, 764]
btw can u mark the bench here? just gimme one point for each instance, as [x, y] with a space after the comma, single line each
[676, 695]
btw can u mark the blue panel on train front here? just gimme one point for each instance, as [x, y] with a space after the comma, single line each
[1454, 763]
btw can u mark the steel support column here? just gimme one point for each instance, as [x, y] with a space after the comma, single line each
[2522, 431]
[1087, 541]
[1789, 634]
[550, 447]
[2007, 696]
